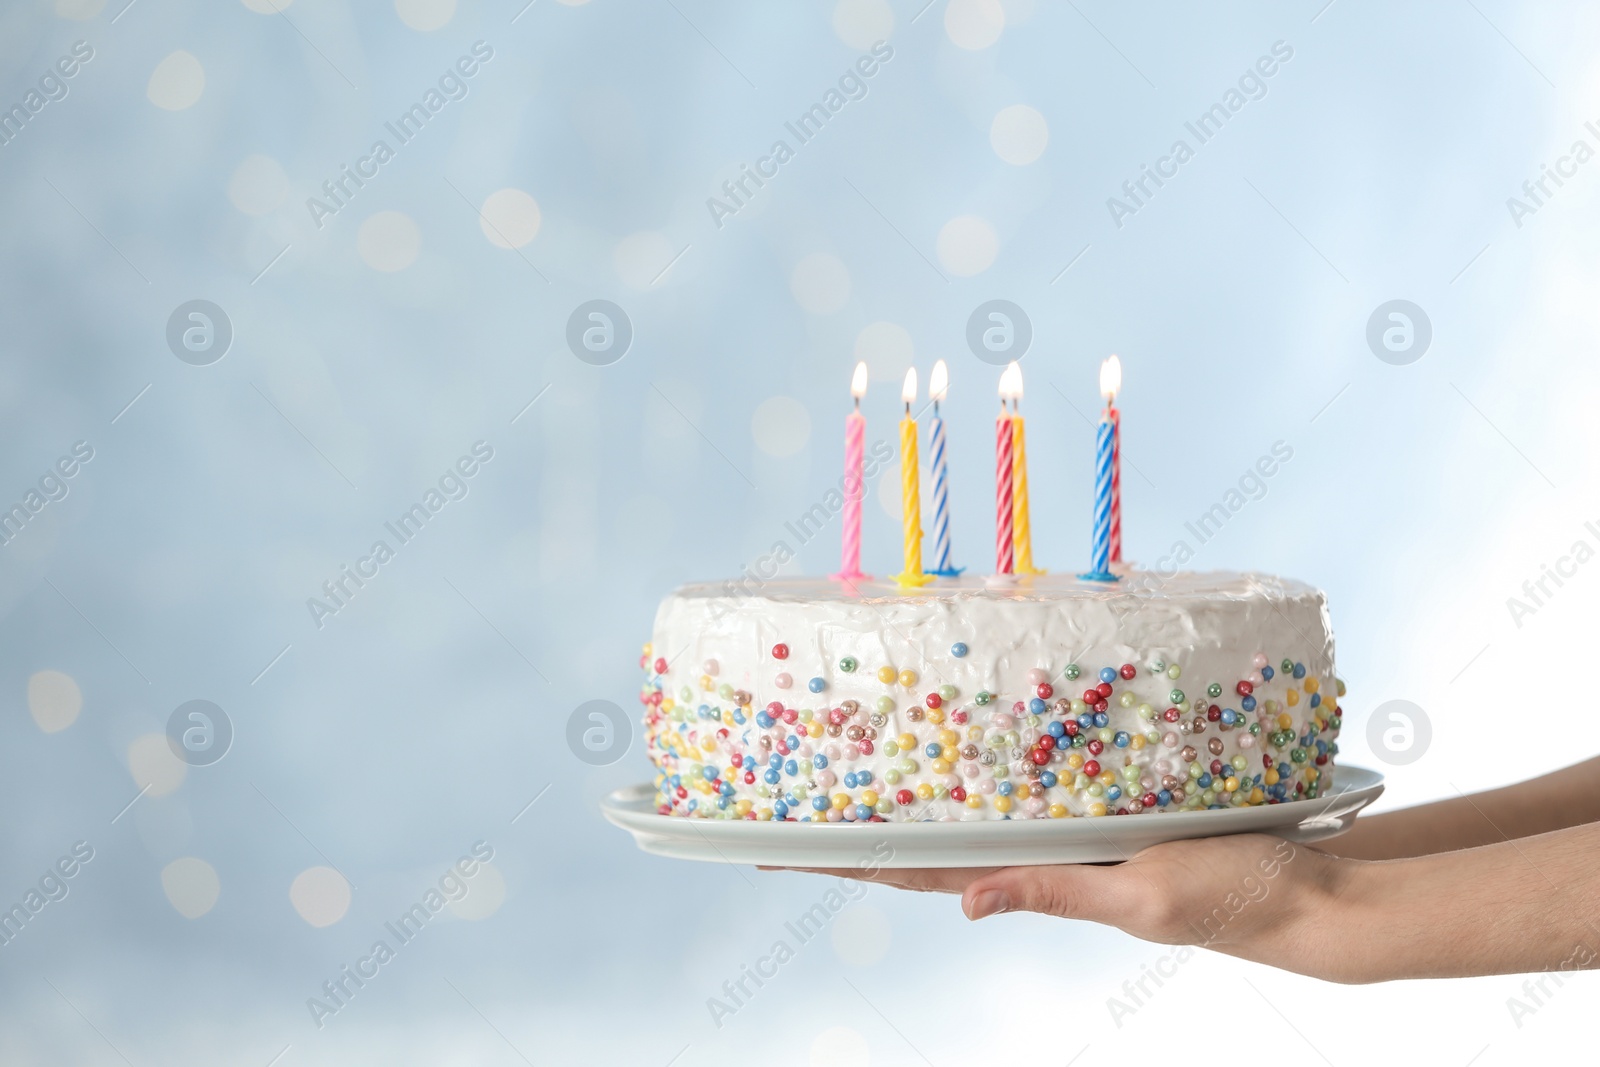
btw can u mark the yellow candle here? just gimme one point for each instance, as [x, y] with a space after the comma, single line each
[910, 490]
[1021, 527]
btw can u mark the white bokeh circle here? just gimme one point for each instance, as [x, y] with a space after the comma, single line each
[840, 1046]
[177, 82]
[320, 895]
[54, 700]
[486, 891]
[974, 24]
[781, 426]
[389, 241]
[510, 218]
[1019, 134]
[861, 935]
[79, 10]
[191, 885]
[1019, 12]
[863, 23]
[425, 15]
[153, 764]
[968, 245]
[820, 283]
[258, 185]
[887, 350]
[639, 258]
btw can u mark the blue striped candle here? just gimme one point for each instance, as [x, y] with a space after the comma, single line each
[938, 387]
[1100, 546]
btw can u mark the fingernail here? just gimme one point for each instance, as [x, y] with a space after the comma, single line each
[989, 902]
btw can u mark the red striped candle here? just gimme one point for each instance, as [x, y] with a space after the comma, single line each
[1116, 485]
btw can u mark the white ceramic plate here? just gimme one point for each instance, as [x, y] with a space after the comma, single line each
[977, 844]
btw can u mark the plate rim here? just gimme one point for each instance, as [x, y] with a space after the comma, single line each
[621, 807]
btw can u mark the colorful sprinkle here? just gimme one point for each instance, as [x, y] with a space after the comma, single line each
[727, 753]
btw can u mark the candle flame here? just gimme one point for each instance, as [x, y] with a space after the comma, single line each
[858, 381]
[939, 382]
[908, 392]
[1110, 378]
[1011, 382]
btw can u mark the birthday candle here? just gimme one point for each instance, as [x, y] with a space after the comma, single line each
[855, 436]
[910, 491]
[1021, 527]
[1100, 542]
[1004, 556]
[938, 388]
[1115, 374]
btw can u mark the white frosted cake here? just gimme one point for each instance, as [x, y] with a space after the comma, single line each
[1051, 697]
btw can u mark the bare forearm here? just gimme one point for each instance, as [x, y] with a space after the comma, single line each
[1567, 797]
[1511, 907]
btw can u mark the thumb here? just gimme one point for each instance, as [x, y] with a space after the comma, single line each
[1070, 892]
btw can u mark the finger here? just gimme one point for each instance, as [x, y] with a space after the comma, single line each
[935, 880]
[1071, 892]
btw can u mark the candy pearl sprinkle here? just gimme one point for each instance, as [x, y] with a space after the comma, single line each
[1026, 749]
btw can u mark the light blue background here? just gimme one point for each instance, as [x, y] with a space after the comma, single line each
[428, 712]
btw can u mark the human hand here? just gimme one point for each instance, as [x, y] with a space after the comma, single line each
[1252, 896]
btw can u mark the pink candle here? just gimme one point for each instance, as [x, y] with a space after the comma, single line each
[1004, 557]
[855, 437]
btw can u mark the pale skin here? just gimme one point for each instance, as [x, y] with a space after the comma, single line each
[1501, 882]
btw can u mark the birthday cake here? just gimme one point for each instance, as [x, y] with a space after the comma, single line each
[1045, 696]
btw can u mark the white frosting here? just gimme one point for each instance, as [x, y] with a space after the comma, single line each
[1212, 626]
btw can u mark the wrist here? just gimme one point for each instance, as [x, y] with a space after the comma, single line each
[1336, 919]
